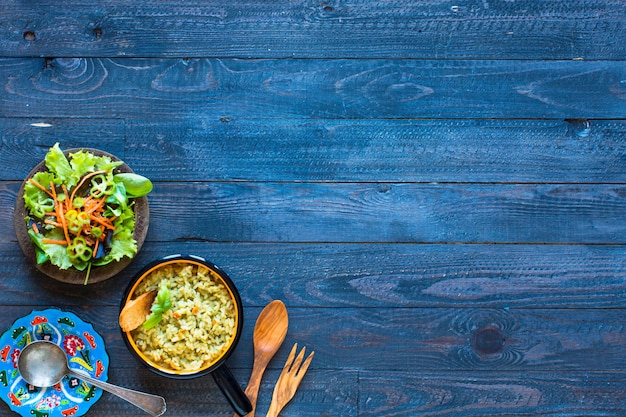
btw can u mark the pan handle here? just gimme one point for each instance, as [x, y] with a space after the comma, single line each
[232, 390]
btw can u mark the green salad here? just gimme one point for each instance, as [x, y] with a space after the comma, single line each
[80, 212]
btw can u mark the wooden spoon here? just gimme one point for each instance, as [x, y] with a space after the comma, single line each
[269, 333]
[135, 311]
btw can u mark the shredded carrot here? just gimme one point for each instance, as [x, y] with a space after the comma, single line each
[68, 201]
[94, 206]
[35, 228]
[54, 241]
[60, 214]
[53, 191]
[41, 187]
[101, 220]
[61, 217]
[95, 248]
[53, 223]
[91, 174]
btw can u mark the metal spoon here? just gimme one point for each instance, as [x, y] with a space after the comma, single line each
[44, 364]
[269, 333]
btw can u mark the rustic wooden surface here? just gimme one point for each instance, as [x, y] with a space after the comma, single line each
[435, 190]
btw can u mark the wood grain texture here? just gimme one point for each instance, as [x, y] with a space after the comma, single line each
[354, 29]
[465, 151]
[25, 141]
[440, 339]
[417, 276]
[435, 190]
[275, 212]
[478, 394]
[410, 213]
[328, 89]
[368, 275]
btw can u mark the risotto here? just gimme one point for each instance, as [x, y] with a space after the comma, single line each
[200, 325]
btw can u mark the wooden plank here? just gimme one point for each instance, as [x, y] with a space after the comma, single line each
[320, 212]
[472, 339]
[272, 29]
[367, 275]
[470, 394]
[571, 151]
[438, 339]
[410, 213]
[25, 141]
[361, 275]
[331, 392]
[222, 89]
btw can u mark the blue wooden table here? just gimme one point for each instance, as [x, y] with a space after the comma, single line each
[436, 190]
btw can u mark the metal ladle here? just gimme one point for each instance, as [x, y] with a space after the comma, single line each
[44, 364]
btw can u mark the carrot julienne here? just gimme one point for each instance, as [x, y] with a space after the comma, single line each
[68, 201]
[54, 241]
[53, 223]
[95, 247]
[91, 213]
[102, 221]
[82, 181]
[41, 187]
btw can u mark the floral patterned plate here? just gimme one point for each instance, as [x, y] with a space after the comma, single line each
[85, 352]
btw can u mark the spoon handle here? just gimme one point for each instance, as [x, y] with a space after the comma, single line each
[252, 389]
[152, 404]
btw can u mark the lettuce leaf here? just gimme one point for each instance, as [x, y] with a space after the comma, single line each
[36, 201]
[104, 163]
[82, 162]
[59, 165]
[56, 253]
[122, 242]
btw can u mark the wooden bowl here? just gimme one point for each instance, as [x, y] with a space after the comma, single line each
[71, 275]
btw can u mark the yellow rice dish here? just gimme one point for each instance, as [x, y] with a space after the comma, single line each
[198, 328]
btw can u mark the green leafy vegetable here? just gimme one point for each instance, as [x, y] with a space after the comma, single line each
[58, 164]
[135, 185]
[161, 304]
[80, 212]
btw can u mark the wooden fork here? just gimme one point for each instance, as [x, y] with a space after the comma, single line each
[289, 380]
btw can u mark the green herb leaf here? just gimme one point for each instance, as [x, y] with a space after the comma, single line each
[58, 164]
[136, 185]
[162, 303]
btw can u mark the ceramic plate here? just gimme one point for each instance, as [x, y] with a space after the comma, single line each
[85, 352]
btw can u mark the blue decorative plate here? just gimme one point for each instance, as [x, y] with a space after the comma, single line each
[85, 352]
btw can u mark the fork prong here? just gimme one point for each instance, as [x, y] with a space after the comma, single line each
[297, 361]
[289, 380]
[289, 361]
[305, 365]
